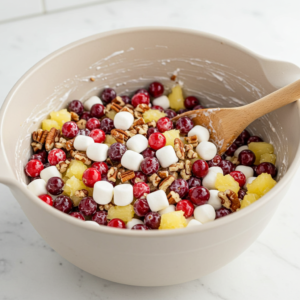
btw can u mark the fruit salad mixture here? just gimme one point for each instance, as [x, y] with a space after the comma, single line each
[122, 162]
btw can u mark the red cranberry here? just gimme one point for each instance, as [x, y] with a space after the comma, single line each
[86, 115]
[222, 212]
[139, 176]
[126, 99]
[190, 102]
[140, 99]
[63, 203]
[254, 139]
[242, 138]
[97, 110]
[171, 113]
[77, 215]
[150, 165]
[164, 124]
[184, 125]
[152, 220]
[180, 186]
[246, 158]
[182, 111]
[157, 140]
[87, 206]
[139, 227]
[198, 107]
[151, 130]
[101, 167]
[143, 91]
[34, 167]
[193, 182]
[157, 107]
[100, 217]
[186, 206]
[141, 207]
[38, 156]
[43, 154]
[104, 178]
[55, 156]
[55, 186]
[148, 153]
[108, 95]
[107, 125]
[241, 194]
[199, 195]
[266, 167]
[116, 151]
[200, 168]
[97, 135]
[47, 199]
[230, 151]
[239, 177]
[156, 89]
[92, 123]
[227, 166]
[215, 161]
[140, 189]
[91, 176]
[85, 132]
[70, 130]
[116, 223]
[76, 106]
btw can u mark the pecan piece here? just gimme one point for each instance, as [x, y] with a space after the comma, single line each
[190, 153]
[127, 175]
[119, 101]
[139, 121]
[131, 133]
[179, 148]
[142, 108]
[164, 185]
[163, 173]
[52, 138]
[74, 116]
[63, 166]
[235, 161]
[192, 140]
[127, 109]
[151, 124]
[112, 174]
[81, 156]
[81, 124]
[119, 135]
[176, 167]
[230, 200]
[186, 173]
[106, 206]
[116, 107]
[137, 114]
[152, 187]
[61, 143]
[141, 129]
[173, 197]
[39, 138]
[174, 174]
[154, 179]
[120, 172]
[70, 145]
[81, 193]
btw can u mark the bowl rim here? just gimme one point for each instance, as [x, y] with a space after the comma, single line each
[287, 177]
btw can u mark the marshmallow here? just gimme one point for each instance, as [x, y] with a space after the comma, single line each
[37, 187]
[214, 199]
[166, 210]
[193, 223]
[188, 220]
[97, 152]
[103, 192]
[137, 143]
[82, 142]
[249, 180]
[132, 160]
[92, 224]
[162, 101]
[133, 222]
[166, 156]
[239, 150]
[216, 170]
[206, 150]
[209, 181]
[123, 194]
[157, 200]
[49, 172]
[201, 132]
[123, 120]
[90, 102]
[247, 171]
[204, 213]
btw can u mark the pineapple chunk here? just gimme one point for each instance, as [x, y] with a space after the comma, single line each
[109, 140]
[173, 220]
[48, 124]
[170, 136]
[65, 179]
[249, 199]
[153, 115]
[266, 157]
[261, 185]
[75, 200]
[226, 182]
[176, 98]
[125, 213]
[72, 185]
[260, 148]
[76, 168]
[61, 117]
[111, 114]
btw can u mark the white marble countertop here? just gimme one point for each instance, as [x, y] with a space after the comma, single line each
[269, 269]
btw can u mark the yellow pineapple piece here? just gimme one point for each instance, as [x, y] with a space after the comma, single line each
[173, 220]
[261, 185]
[267, 157]
[61, 117]
[249, 199]
[259, 148]
[176, 98]
[75, 200]
[153, 115]
[47, 124]
[125, 213]
[76, 168]
[111, 114]
[65, 179]
[72, 185]
[170, 136]
[109, 140]
[226, 182]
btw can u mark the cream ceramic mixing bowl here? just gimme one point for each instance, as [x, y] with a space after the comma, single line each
[221, 73]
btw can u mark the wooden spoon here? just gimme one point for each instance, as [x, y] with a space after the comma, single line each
[226, 124]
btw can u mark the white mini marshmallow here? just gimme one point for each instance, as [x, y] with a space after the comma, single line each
[201, 132]
[204, 213]
[249, 180]
[37, 187]
[82, 142]
[132, 160]
[90, 102]
[157, 200]
[168, 209]
[216, 170]
[137, 143]
[206, 150]
[133, 222]
[49, 172]
[162, 101]
[103, 192]
[123, 120]
[214, 199]
[166, 156]
[123, 194]
[209, 181]
[91, 223]
[97, 152]
[188, 220]
[193, 223]
[239, 150]
[247, 171]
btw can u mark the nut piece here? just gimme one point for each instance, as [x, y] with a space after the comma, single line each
[74, 116]
[119, 135]
[127, 175]
[116, 107]
[235, 161]
[70, 145]
[119, 101]
[127, 109]
[81, 193]
[106, 206]
[186, 173]
[81, 156]
[152, 187]
[164, 185]
[61, 143]
[63, 166]
[141, 129]
[176, 167]
[52, 138]
[142, 108]
[120, 171]
[230, 200]
[190, 153]
[112, 174]
[151, 124]
[154, 179]
[173, 197]
[163, 173]
[174, 174]
[139, 121]
[131, 133]
[179, 148]
[39, 138]
[81, 124]
[192, 140]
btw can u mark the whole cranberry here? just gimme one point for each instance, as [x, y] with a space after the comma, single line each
[77, 215]
[186, 206]
[101, 166]
[140, 98]
[39, 156]
[182, 111]
[55, 186]
[148, 153]
[140, 189]
[171, 113]
[86, 115]
[139, 227]
[266, 167]
[199, 195]
[156, 89]
[150, 165]
[97, 110]
[215, 161]
[55, 156]
[104, 178]
[151, 130]
[100, 217]
[152, 220]
[116, 151]
[76, 106]
[241, 194]
[97, 135]
[198, 107]
[91, 176]
[85, 132]
[242, 139]
[87, 206]
[139, 176]
[126, 99]
[246, 158]
[143, 91]
[164, 124]
[239, 177]
[157, 140]
[47, 199]
[43, 154]
[184, 124]
[230, 151]
[107, 125]
[63, 203]
[70, 130]
[222, 212]
[254, 139]
[34, 167]
[141, 207]
[200, 168]
[190, 102]
[92, 123]
[157, 107]
[108, 95]
[193, 182]
[116, 223]
[180, 186]
[227, 166]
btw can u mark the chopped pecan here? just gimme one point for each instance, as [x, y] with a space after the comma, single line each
[152, 187]
[109, 162]
[61, 143]
[230, 200]
[173, 197]
[127, 175]
[139, 121]
[179, 148]
[154, 179]
[174, 174]
[186, 173]
[141, 129]
[190, 153]
[39, 138]
[176, 167]
[81, 124]
[192, 140]
[163, 173]
[131, 133]
[63, 166]
[116, 107]
[142, 108]
[119, 135]
[107, 108]
[74, 116]
[235, 161]
[137, 114]
[112, 174]
[81, 193]
[70, 145]
[118, 100]
[106, 206]
[151, 124]
[81, 156]
[120, 172]
[127, 109]
[52, 138]
[164, 185]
